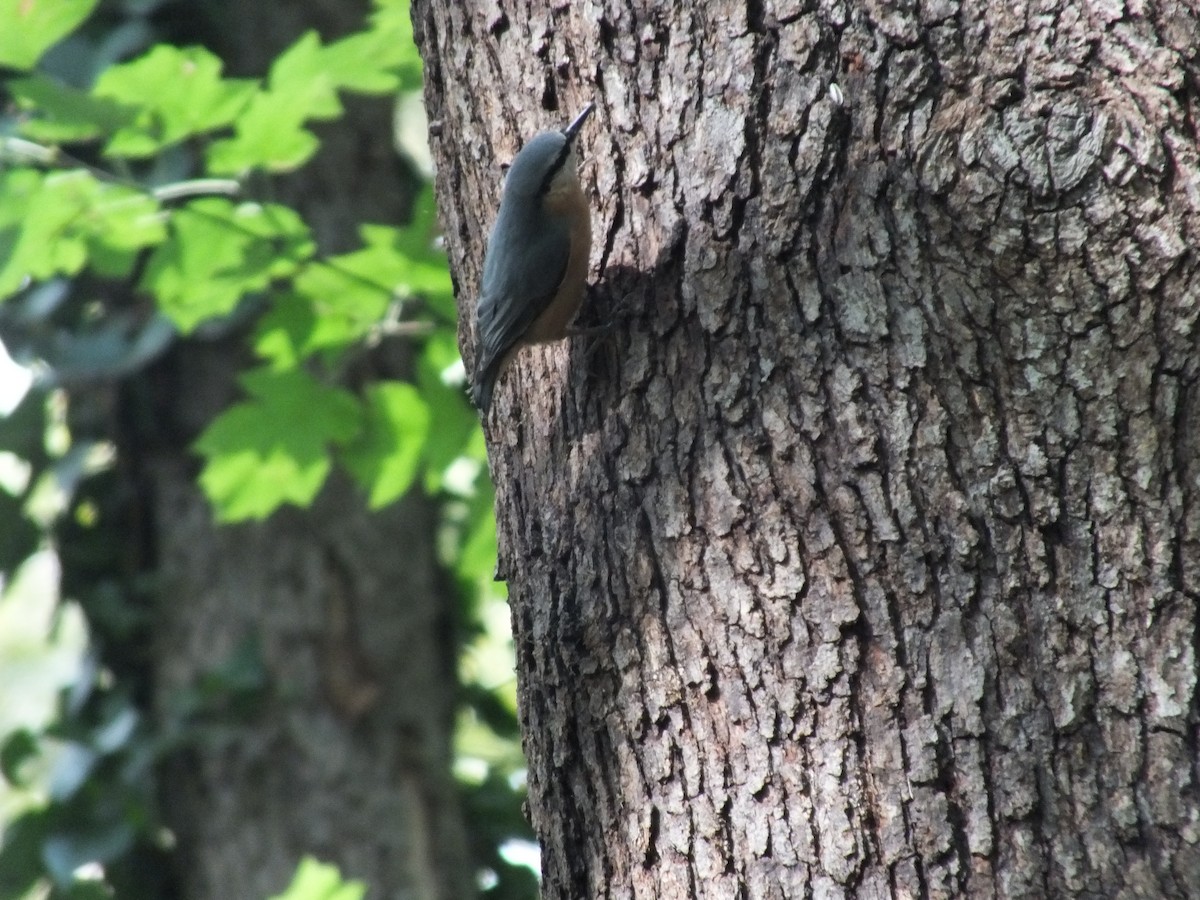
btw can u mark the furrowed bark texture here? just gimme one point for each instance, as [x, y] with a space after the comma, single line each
[864, 560]
[348, 757]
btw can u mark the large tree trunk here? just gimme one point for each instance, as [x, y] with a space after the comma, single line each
[348, 758]
[864, 562]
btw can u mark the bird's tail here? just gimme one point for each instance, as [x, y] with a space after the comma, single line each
[481, 389]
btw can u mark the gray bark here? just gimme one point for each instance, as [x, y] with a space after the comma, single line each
[347, 756]
[350, 758]
[863, 562]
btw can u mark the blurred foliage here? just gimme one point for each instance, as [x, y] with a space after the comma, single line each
[318, 881]
[203, 258]
[127, 224]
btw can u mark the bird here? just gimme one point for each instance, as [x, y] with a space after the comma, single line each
[535, 266]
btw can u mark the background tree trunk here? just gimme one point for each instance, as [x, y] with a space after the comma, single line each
[866, 565]
[348, 759]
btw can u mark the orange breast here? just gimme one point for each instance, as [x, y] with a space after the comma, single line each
[552, 324]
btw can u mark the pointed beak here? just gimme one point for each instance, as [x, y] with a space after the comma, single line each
[573, 129]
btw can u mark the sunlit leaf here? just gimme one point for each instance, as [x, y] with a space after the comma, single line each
[428, 274]
[199, 100]
[385, 54]
[382, 59]
[345, 305]
[320, 881]
[477, 556]
[282, 336]
[218, 252]
[50, 223]
[61, 114]
[392, 22]
[303, 85]
[384, 457]
[31, 27]
[336, 301]
[303, 72]
[36, 238]
[274, 448]
[454, 421]
[123, 222]
[270, 135]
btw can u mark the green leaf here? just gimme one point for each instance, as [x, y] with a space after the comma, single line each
[270, 135]
[340, 300]
[299, 325]
[62, 114]
[31, 27]
[50, 224]
[282, 335]
[379, 60]
[236, 689]
[428, 275]
[337, 301]
[218, 252]
[20, 863]
[346, 298]
[108, 348]
[303, 73]
[392, 22]
[36, 240]
[19, 747]
[273, 449]
[303, 86]
[121, 223]
[319, 881]
[198, 99]
[477, 555]
[343, 62]
[384, 458]
[454, 421]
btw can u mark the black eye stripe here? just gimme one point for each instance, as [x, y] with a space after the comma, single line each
[554, 168]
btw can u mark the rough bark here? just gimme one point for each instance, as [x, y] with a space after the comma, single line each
[348, 759]
[866, 563]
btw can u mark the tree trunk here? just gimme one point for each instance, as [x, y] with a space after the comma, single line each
[863, 561]
[348, 758]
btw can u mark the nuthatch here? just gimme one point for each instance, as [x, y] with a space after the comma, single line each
[535, 269]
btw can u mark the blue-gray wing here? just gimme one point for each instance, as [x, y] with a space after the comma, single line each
[523, 268]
